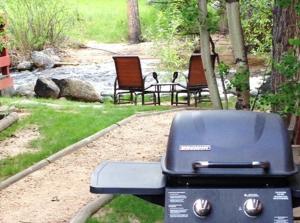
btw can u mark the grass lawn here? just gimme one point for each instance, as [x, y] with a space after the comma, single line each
[106, 20]
[128, 209]
[60, 123]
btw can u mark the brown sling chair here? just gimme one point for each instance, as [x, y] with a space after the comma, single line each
[196, 83]
[130, 81]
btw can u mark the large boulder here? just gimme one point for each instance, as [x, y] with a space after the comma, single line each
[46, 88]
[42, 60]
[77, 90]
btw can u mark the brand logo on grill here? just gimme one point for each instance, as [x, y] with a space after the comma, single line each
[195, 148]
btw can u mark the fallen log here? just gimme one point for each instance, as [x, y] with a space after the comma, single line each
[8, 120]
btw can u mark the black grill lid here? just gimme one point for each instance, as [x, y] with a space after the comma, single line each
[228, 143]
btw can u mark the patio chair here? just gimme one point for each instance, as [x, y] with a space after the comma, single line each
[130, 81]
[196, 83]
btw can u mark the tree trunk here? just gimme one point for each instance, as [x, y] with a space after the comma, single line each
[134, 27]
[206, 57]
[223, 23]
[284, 28]
[240, 55]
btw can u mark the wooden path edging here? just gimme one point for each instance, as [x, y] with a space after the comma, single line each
[74, 147]
[91, 208]
[8, 120]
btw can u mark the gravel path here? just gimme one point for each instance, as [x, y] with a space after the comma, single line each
[56, 192]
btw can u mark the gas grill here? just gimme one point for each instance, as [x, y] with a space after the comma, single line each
[220, 166]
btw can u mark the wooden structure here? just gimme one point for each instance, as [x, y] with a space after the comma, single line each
[5, 79]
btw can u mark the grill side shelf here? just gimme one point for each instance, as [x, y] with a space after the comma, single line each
[128, 178]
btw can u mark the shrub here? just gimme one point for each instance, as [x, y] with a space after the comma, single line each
[286, 97]
[2, 31]
[257, 17]
[34, 24]
[176, 32]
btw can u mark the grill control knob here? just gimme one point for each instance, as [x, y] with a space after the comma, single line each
[253, 207]
[202, 208]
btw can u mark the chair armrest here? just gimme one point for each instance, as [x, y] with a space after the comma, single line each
[154, 76]
[176, 74]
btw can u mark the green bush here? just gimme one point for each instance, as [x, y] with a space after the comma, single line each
[2, 31]
[286, 97]
[257, 17]
[176, 32]
[35, 24]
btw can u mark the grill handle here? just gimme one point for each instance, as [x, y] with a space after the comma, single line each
[253, 164]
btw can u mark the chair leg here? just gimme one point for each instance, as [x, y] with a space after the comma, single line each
[131, 97]
[188, 98]
[115, 96]
[176, 98]
[158, 98]
[143, 98]
[154, 99]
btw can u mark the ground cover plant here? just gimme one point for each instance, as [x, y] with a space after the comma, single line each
[60, 125]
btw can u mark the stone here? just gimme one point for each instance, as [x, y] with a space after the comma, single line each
[42, 60]
[77, 90]
[25, 90]
[51, 53]
[46, 88]
[25, 65]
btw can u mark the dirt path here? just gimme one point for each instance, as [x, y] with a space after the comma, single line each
[56, 192]
[97, 53]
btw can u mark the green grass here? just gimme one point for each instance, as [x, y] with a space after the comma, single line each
[127, 209]
[60, 126]
[106, 20]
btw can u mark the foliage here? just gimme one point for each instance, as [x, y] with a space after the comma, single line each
[2, 31]
[174, 54]
[176, 32]
[257, 24]
[125, 209]
[240, 81]
[181, 18]
[61, 127]
[286, 97]
[35, 24]
[223, 69]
